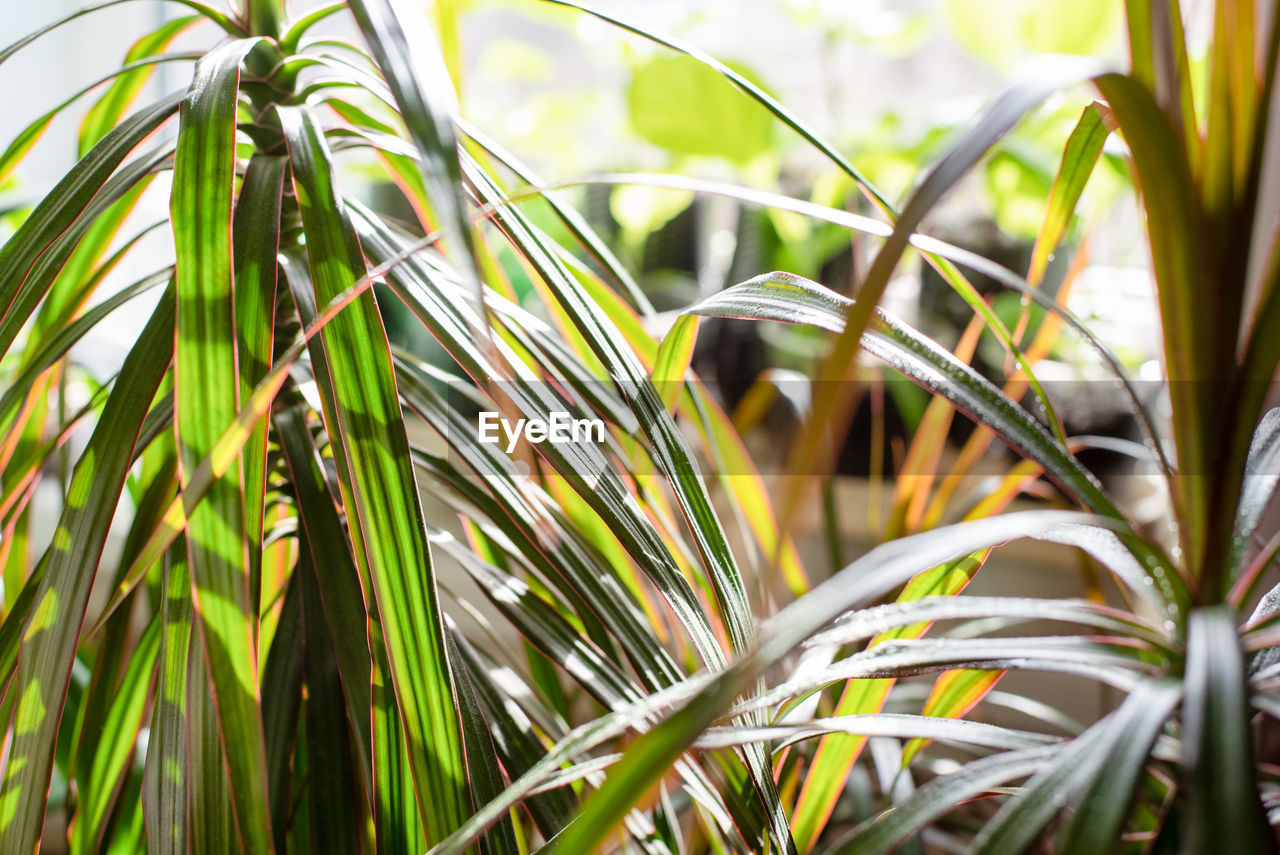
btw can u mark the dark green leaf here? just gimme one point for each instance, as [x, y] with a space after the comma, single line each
[256, 240]
[341, 596]
[1217, 746]
[334, 781]
[1099, 819]
[281, 704]
[483, 769]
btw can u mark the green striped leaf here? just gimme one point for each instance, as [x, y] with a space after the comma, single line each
[399, 825]
[547, 541]
[211, 816]
[739, 476]
[367, 430]
[1116, 746]
[159, 471]
[164, 787]
[444, 312]
[206, 388]
[1103, 807]
[98, 789]
[483, 767]
[31, 257]
[1079, 157]
[224, 453]
[60, 586]
[515, 741]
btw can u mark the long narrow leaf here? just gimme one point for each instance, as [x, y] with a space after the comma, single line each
[59, 599]
[1217, 750]
[164, 790]
[791, 299]
[1262, 476]
[1099, 818]
[100, 786]
[58, 210]
[886, 832]
[367, 430]
[207, 386]
[256, 240]
[410, 59]
[341, 596]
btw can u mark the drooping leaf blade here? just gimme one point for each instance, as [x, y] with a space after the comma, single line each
[887, 831]
[791, 299]
[59, 210]
[879, 571]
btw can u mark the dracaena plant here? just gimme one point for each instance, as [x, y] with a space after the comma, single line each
[275, 624]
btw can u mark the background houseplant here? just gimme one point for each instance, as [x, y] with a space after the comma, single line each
[275, 618]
